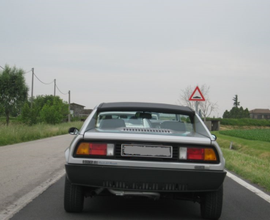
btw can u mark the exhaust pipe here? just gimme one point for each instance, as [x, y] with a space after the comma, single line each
[153, 195]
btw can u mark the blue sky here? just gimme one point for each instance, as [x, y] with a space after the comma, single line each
[143, 50]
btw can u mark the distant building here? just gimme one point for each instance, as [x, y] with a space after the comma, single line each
[260, 114]
[77, 110]
[87, 112]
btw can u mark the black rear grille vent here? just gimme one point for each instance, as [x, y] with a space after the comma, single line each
[148, 130]
[145, 186]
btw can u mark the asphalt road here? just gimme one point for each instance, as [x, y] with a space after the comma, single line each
[27, 165]
[239, 203]
[24, 167]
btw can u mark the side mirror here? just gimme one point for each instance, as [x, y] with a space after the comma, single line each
[214, 137]
[73, 131]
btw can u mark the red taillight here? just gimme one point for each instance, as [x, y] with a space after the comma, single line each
[98, 149]
[195, 154]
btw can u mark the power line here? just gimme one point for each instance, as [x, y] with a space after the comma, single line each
[60, 91]
[43, 82]
[28, 71]
[54, 81]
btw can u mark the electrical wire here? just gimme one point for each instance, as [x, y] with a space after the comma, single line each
[60, 91]
[51, 83]
[43, 82]
[28, 71]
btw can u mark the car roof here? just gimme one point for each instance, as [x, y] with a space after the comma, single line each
[144, 106]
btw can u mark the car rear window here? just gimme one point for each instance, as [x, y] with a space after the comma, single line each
[143, 121]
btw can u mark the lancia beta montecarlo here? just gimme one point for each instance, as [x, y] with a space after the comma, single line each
[145, 149]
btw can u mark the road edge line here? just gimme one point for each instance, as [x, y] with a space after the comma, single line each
[249, 187]
[15, 207]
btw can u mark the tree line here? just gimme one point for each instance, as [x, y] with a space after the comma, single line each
[52, 110]
[14, 101]
[236, 111]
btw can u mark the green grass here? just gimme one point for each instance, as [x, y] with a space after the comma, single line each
[252, 134]
[249, 167]
[17, 133]
[249, 159]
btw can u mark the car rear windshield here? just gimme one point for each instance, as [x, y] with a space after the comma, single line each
[154, 122]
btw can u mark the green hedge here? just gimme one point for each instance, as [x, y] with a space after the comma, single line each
[245, 122]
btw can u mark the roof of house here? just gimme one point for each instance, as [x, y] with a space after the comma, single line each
[76, 104]
[260, 111]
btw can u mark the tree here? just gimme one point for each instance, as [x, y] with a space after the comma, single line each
[226, 114]
[54, 112]
[48, 109]
[13, 91]
[206, 107]
[236, 111]
[235, 101]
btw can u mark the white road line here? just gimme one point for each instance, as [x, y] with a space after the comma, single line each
[11, 210]
[249, 187]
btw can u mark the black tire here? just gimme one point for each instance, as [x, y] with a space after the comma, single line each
[73, 197]
[211, 204]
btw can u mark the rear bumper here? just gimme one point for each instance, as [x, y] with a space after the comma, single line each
[145, 179]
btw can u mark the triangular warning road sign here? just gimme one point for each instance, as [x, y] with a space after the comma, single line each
[197, 95]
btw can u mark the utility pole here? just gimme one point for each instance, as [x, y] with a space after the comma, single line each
[32, 89]
[68, 105]
[54, 87]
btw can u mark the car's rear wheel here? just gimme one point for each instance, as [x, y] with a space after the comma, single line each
[211, 204]
[73, 197]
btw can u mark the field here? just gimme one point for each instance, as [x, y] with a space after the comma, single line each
[249, 156]
[17, 133]
[251, 134]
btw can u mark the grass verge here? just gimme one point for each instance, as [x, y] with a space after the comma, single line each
[249, 134]
[17, 133]
[249, 159]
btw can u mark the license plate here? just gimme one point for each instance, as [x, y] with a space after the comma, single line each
[130, 150]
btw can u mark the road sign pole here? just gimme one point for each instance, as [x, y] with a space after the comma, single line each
[197, 107]
[69, 106]
[32, 88]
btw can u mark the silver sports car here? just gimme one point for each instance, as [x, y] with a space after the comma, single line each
[145, 149]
